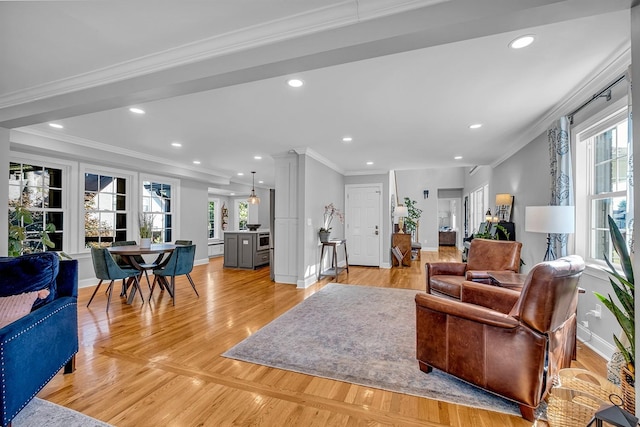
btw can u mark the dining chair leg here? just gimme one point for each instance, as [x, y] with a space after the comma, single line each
[147, 276]
[173, 290]
[94, 292]
[137, 284]
[193, 285]
[109, 297]
[123, 292]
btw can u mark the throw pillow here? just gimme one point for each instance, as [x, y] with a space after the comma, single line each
[26, 273]
[14, 307]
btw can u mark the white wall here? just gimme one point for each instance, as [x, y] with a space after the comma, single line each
[193, 216]
[412, 183]
[322, 185]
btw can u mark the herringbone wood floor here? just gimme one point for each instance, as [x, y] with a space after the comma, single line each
[159, 365]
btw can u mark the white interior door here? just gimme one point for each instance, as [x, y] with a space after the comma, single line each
[364, 223]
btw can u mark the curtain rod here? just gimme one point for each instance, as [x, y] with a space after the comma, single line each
[596, 96]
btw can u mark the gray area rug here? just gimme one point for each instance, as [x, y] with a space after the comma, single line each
[39, 413]
[362, 335]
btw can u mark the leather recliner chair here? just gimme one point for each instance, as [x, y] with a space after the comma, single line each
[445, 278]
[507, 342]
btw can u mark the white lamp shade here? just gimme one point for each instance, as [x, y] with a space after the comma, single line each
[401, 212]
[504, 199]
[550, 219]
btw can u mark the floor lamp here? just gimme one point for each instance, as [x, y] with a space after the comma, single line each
[549, 220]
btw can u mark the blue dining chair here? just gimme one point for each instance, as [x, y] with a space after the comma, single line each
[106, 268]
[179, 263]
[183, 242]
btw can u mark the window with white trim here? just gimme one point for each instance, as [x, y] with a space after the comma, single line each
[38, 191]
[603, 149]
[158, 204]
[478, 205]
[241, 215]
[105, 209]
[213, 219]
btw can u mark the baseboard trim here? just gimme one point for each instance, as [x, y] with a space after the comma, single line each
[596, 343]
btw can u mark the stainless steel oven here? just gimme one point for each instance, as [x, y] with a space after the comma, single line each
[262, 242]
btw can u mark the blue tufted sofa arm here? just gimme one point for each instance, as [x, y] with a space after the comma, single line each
[34, 348]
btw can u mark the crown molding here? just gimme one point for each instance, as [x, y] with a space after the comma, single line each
[219, 176]
[318, 20]
[366, 172]
[320, 158]
[612, 68]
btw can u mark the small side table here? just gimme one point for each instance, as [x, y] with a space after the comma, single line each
[334, 270]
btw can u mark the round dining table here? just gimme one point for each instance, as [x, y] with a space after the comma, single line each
[128, 254]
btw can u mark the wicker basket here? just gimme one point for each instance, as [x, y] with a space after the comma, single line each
[588, 382]
[571, 408]
[627, 382]
[577, 396]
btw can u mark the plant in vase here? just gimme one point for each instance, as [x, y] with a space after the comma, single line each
[20, 219]
[624, 313]
[146, 225]
[330, 211]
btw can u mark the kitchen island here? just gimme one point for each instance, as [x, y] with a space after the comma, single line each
[246, 249]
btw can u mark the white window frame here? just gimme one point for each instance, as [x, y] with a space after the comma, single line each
[478, 205]
[69, 187]
[236, 213]
[582, 132]
[175, 201]
[131, 192]
[217, 230]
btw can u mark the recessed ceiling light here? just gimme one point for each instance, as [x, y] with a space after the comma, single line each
[369, 163]
[347, 139]
[176, 144]
[196, 162]
[240, 173]
[295, 82]
[257, 157]
[476, 126]
[521, 42]
[457, 157]
[56, 125]
[232, 194]
[260, 182]
[136, 110]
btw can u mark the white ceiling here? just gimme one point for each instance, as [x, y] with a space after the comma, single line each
[404, 78]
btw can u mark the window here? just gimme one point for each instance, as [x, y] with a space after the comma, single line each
[38, 190]
[242, 214]
[105, 209]
[603, 147]
[157, 203]
[213, 226]
[478, 205]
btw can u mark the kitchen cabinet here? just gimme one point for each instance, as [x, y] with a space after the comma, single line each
[242, 250]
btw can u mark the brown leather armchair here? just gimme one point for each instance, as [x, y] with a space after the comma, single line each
[445, 278]
[508, 342]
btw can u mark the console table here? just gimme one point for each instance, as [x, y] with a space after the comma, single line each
[335, 270]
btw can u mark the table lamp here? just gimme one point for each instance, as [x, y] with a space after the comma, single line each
[549, 220]
[401, 212]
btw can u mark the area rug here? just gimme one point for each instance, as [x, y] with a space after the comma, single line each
[362, 335]
[40, 413]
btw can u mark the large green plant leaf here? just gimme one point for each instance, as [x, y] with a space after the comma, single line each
[620, 246]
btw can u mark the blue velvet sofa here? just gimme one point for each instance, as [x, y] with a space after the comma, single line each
[35, 347]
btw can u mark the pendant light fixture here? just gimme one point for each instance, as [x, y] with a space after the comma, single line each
[253, 199]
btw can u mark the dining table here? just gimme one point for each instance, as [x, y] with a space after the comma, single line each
[128, 254]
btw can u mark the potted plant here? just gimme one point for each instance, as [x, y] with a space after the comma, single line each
[411, 221]
[624, 289]
[19, 219]
[329, 212]
[146, 224]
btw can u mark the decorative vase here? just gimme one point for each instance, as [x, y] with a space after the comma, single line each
[324, 236]
[145, 242]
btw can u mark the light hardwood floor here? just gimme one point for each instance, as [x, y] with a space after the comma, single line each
[159, 365]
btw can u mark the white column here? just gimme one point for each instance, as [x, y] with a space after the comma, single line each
[286, 250]
[4, 191]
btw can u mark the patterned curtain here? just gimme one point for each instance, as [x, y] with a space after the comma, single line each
[630, 212]
[561, 176]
